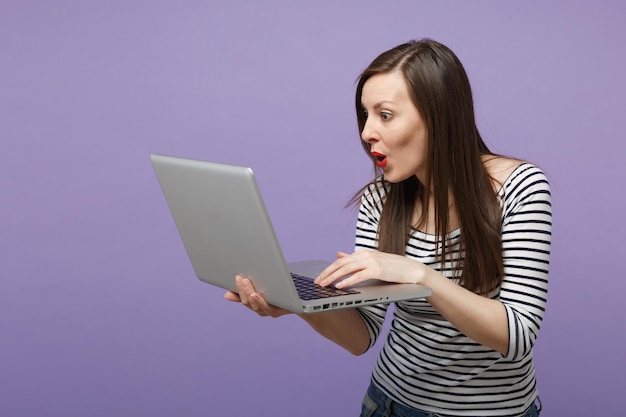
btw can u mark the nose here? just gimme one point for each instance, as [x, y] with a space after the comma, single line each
[369, 134]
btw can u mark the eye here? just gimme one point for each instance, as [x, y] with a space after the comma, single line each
[365, 114]
[385, 115]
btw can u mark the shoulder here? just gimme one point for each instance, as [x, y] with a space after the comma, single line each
[524, 187]
[505, 171]
[500, 168]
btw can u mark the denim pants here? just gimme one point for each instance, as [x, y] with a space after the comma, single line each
[377, 404]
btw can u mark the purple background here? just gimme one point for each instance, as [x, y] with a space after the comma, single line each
[100, 313]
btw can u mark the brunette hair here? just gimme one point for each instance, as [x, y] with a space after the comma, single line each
[440, 90]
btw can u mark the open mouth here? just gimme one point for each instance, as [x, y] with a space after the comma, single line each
[379, 159]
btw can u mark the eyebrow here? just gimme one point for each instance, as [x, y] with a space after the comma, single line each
[379, 104]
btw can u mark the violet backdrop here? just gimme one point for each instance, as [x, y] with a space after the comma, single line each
[100, 313]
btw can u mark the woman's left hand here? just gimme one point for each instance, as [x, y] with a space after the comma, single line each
[366, 264]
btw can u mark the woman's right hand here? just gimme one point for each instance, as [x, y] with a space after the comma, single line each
[248, 296]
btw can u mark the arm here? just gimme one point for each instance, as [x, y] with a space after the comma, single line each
[482, 319]
[508, 323]
[479, 318]
[344, 327]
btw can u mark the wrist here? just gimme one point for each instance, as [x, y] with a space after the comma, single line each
[430, 278]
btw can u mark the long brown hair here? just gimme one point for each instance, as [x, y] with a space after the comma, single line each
[440, 90]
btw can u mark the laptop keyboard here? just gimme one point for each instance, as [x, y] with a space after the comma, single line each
[308, 290]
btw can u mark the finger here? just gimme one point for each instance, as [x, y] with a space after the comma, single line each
[349, 281]
[239, 284]
[254, 300]
[353, 279]
[326, 272]
[264, 309]
[328, 275]
[340, 273]
[232, 296]
[261, 307]
[257, 304]
[342, 259]
[244, 287]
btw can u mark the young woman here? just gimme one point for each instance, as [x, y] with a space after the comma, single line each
[445, 212]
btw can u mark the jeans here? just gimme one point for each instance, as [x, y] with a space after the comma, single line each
[377, 404]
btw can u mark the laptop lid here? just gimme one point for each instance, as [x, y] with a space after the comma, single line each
[226, 231]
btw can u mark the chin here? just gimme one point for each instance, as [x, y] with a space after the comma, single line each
[394, 179]
[390, 180]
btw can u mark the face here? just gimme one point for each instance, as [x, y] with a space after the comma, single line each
[394, 128]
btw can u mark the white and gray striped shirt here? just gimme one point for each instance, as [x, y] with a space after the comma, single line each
[426, 363]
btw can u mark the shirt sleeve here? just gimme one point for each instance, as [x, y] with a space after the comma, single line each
[526, 239]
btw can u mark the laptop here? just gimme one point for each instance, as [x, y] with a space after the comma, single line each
[226, 231]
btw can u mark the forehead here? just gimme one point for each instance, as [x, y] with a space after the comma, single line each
[388, 87]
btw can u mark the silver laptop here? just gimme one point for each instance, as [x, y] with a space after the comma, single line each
[226, 231]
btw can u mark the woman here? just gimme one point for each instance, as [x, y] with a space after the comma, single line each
[447, 213]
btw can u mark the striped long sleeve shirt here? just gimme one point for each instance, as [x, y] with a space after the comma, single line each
[426, 363]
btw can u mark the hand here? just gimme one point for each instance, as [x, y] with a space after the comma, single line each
[366, 264]
[253, 300]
